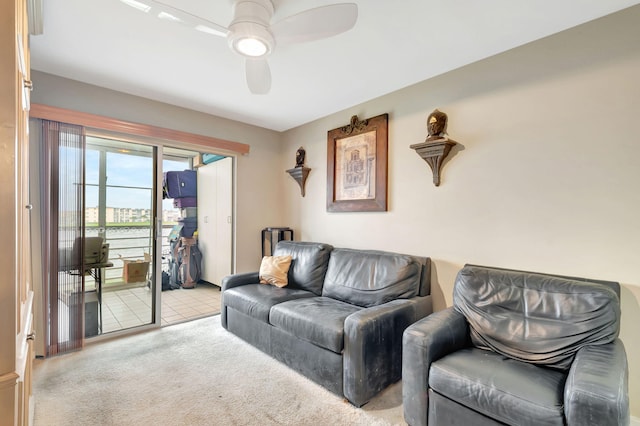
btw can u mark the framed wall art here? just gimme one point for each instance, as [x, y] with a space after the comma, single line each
[357, 166]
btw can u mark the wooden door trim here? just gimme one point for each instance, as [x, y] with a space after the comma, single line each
[138, 129]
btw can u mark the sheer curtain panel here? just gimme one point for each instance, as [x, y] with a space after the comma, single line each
[62, 229]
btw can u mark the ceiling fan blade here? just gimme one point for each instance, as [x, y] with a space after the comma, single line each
[172, 14]
[258, 76]
[316, 24]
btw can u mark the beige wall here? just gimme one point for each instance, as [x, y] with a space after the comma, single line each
[546, 177]
[259, 194]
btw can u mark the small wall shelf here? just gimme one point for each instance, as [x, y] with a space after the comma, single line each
[434, 152]
[300, 175]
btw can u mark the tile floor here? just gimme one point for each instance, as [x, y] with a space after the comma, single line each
[132, 307]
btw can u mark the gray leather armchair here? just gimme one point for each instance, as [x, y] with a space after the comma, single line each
[518, 348]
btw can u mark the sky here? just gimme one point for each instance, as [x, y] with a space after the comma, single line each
[125, 170]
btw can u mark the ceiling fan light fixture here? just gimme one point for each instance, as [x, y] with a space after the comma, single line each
[249, 33]
[250, 40]
[253, 47]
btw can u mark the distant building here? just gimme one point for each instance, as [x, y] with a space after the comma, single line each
[170, 215]
[91, 215]
[120, 215]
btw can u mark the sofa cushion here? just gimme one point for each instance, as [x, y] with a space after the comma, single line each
[507, 390]
[318, 320]
[255, 300]
[308, 264]
[370, 277]
[532, 317]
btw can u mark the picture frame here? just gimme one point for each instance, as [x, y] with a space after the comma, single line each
[357, 165]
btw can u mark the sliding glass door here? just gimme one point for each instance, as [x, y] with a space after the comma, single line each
[120, 200]
[122, 180]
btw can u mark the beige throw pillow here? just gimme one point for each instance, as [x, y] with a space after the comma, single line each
[274, 269]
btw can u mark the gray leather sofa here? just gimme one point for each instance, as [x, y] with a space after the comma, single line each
[340, 319]
[518, 348]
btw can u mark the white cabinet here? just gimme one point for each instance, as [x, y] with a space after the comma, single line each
[215, 214]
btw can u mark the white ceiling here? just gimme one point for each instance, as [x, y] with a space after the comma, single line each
[394, 44]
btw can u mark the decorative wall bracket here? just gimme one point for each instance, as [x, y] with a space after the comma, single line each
[300, 175]
[437, 145]
[300, 172]
[434, 152]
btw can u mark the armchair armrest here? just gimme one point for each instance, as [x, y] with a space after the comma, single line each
[373, 346]
[596, 390]
[237, 280]
[424, 342]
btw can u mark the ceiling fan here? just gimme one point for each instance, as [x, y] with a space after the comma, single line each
[252, 35]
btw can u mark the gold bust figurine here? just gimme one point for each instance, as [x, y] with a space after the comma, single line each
[436, 125]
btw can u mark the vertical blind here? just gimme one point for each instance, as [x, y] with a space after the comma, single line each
[62, 181]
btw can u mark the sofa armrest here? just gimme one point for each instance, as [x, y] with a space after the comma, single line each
[596, 391]
[373, 346]
[231, 281]
[237, 280]
[424, 342]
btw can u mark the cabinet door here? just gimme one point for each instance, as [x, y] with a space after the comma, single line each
[224, 219]
[215, 213]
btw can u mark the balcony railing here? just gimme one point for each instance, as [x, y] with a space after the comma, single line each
[129, 241]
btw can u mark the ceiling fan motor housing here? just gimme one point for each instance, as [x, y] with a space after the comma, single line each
[251, 20]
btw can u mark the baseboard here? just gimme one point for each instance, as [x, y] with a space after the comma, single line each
[634, 421]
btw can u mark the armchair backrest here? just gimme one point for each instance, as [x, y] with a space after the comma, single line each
[538, 318]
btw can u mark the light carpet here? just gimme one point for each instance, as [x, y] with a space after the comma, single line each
[193, 373]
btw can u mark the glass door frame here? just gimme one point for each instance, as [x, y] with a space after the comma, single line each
[156, 281]
[108, 147]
